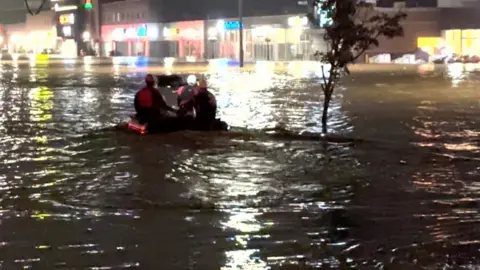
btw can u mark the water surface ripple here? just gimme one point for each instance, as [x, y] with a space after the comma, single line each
[74, 195]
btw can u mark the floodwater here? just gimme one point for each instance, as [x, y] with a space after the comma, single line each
[404, 194]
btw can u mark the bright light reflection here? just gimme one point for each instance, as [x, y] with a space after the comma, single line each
[456, 73]
[425, 68]
[233, 195]
[191, 59]
[117, 60]
[132, 61]
[88, 68]
[88, 60]
[42, 104]
[32, 62]
[264, 66]
[241, 100]
[89, 96]
[70, 61]
[244, 259]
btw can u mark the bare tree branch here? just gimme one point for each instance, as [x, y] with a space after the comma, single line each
[38, 10]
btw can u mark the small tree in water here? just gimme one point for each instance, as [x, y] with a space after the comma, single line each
[351, 28]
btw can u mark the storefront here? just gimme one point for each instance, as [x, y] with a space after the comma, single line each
[268, 42]
[190, 40]
[36, 35]
[298, 42]
[265, 38]
[127, 40]
[183, 40]
[223, 39]
[463, 41]
[168, 45]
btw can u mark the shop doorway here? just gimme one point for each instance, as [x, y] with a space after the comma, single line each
[213, 50]
[138, 48]
[264, 51]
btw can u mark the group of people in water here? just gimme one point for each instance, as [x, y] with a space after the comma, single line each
[197, 106]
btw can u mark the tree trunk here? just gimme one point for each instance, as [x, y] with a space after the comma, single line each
[326, 104]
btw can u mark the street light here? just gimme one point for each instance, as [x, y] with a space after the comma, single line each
[240, 20]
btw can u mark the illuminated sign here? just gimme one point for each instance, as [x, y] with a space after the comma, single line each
[129, 33]
[297, 21]
[170, 32]
[67, 31]
[142, 31]
[190, 33]
[66, 18]
[235, 25]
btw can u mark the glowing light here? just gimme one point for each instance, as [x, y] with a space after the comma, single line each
[117, 34]
[212, 33]
[87, 4]
[152, 32]
[67, 18]
[220, 25]
[88, 60]
[86, 35]
[190, 33]
[262, 31]
[456, 73]
[191, 59]
[67, 31]
[129, 33]
[168, 61]
[234, 25]
[170, 32]
[16, 38]
[65, 8]
[297, 21]
[142, 31]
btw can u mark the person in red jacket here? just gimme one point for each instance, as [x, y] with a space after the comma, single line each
[150, 105]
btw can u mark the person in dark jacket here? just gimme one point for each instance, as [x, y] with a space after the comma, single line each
[205, 105]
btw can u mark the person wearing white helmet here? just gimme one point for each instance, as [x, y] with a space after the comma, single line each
[192, 79]
[185, 95]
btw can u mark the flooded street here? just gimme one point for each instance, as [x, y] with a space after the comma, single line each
[75, 194]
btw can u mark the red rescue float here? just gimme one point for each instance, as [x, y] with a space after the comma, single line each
[139, 128]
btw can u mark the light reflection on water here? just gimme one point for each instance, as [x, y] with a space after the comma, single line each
[74, 197]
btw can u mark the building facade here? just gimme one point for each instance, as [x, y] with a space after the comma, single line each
[133, 28]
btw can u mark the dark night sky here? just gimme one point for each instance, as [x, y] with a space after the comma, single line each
[12, 11]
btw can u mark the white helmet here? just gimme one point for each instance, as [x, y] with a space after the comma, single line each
[192, 79]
